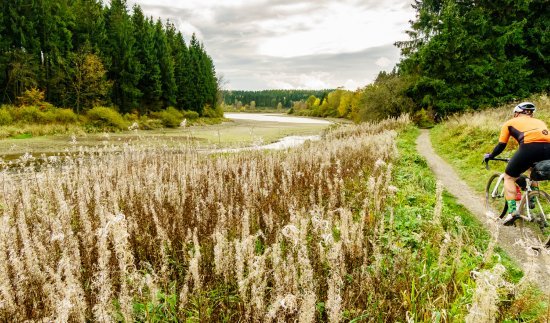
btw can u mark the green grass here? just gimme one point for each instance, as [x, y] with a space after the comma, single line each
[463, 140]
[414, 208]
[22, 136]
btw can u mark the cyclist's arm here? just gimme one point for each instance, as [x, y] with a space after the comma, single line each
[502, 141]
[498, 149]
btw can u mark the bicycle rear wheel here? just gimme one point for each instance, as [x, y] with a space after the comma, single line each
[535, 205]
[494, 195]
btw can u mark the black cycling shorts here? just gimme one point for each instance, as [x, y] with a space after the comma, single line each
[526, 156]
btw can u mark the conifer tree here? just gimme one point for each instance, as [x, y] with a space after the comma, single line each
[150, 83]
[191, 84]
[125, 69]
[166, 63]
[471, 54]
[21, 59]
[53, 25]
[89, 27]
[47, 44]
[179, 56]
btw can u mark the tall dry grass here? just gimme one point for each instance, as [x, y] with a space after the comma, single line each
[251, 237]
[490, 120]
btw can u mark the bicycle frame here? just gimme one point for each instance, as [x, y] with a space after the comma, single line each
[494, 193]
[524, 199]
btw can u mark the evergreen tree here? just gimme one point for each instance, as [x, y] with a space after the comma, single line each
[20, 61]
[4, 47]
[54, 24]
[125, 69]
[150, 83]
[471, 54]
[192, 95]
[180, 55]
[61, 47]
[166, 63]
[89, 27]
[537, 44]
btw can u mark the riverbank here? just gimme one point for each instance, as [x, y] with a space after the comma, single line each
[243, 130]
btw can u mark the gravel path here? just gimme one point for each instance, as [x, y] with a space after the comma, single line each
[536, 265]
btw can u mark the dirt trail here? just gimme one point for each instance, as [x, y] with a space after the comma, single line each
[536, 266]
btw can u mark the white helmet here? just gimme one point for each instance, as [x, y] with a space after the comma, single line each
[525, 107]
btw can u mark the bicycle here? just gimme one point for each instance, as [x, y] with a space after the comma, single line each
[533, 208]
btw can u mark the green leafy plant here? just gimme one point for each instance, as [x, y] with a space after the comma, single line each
[106, 118]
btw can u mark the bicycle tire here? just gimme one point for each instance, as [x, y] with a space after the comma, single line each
[535, 232]
[491, 202]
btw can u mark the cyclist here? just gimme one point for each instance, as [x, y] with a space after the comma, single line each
[534, 145]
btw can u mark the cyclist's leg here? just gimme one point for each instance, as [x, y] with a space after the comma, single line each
[510, 192]
[518, 164]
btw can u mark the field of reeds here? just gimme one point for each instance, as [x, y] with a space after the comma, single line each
[349, 228]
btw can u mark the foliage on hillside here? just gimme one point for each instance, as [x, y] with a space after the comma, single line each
[466, 54]
[461, 55]
[35, 117]
[84, 54]
[380, 100]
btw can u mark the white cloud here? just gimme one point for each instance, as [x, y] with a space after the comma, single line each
[353, 85]
[308, 43]
[383, 62]
[338, 28]
[187, 29]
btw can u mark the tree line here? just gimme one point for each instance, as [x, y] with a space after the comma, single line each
[269, 98]
[461, 55]
[83, 53]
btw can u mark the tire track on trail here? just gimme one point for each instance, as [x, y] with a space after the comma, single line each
[536, 266]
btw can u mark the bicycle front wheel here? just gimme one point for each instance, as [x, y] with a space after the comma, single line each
[494, 195]
[535, 211]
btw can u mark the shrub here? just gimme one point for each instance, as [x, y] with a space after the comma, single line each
[65, 116]
[190, 114]
[5, 117]
[132, 117]
[28, 114]
[210, 112]
[103, 117]
[171, 117]
[32, 96]
[149, 124]
[423, 118]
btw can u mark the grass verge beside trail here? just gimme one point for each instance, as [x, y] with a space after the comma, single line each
[462, 140]
[449, 254]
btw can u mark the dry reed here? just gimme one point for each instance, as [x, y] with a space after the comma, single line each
[87, 236]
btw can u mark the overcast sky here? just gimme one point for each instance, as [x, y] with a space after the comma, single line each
[292, 44]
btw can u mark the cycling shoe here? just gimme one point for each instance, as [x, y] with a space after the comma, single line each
[509, 219]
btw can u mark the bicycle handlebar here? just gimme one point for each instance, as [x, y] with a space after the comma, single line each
[497, 159]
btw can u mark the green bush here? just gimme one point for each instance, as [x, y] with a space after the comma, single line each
[171, 117]
[131, 117]
[210, 112]
[106, 118]
[65, 116]
[27, 114]
[47, 116]
[191, 115]
[149, 124]
[5, 117]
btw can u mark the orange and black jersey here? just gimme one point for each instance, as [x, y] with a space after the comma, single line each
[525, 130]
